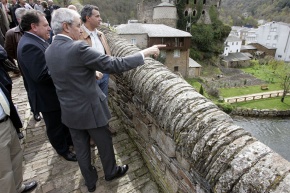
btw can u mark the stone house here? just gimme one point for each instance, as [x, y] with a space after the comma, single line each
[264, 50]
[194, 69]
[176, 53]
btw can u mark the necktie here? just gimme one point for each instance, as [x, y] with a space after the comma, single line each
[4, 104]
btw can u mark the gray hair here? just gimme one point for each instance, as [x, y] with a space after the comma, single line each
[19, 12]
[60, 16]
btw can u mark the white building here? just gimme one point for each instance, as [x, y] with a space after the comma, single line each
[232, 45]
[247, 35]
[277, 35]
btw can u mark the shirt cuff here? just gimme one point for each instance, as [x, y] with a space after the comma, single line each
[142, 55]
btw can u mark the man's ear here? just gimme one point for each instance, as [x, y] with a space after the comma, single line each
[33, 26]
[65, 27]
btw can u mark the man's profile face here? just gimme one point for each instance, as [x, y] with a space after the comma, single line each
[95, 19]
[42, 29]
[75, 29]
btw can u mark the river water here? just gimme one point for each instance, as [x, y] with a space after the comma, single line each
[274, 132]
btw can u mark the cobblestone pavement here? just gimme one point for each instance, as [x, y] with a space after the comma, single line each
[56, 175]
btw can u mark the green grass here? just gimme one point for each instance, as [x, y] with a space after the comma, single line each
[270, 103]
[194, 83]
[231, 92]
[263, 72]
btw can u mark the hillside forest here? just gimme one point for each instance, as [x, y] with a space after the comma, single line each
[248, 12]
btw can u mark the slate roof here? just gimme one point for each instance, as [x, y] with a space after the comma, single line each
[153, 30]
[193, 64]
[165, 4]
[233, 39]
[248, 47]
[239, 56]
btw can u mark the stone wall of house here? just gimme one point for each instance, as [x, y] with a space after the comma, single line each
[188, 144]
[168, 22]
[260, 112]
[181, 62]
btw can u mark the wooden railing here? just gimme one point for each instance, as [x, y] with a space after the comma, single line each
[253, 97]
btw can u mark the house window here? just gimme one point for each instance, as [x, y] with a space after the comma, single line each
[176, 42]
[194, 2]
[279, 56]
[194, 13]
[203, 12]
[133, 41]
[274, 45]
[269, 37]
[276, 37]
[187, 2]
[237, 43]
[176, 54]
[186, 13]
[232, 43]
[204, 2]
[175, 68]
[162, 53]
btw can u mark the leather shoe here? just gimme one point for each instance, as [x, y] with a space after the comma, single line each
[37, 117]
[92, 189]
[69, 156]
[121, 171]
[20, 135]
[29, 186]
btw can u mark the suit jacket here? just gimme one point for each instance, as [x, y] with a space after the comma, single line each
[4, 76]
[85, 36]
[12, 39]
[30, 54]
[72, 65]
[13, 112]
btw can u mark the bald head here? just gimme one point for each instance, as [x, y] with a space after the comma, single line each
[72, 7]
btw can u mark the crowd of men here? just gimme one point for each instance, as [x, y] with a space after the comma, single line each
[65, 63]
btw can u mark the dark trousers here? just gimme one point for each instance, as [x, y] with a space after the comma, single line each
[103, 140]
[57, 133]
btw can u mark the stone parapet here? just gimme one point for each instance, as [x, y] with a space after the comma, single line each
[188, 143]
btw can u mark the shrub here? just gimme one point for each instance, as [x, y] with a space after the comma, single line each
[225, 107]
[213, 91]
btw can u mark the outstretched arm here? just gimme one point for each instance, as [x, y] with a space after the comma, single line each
[153, 50]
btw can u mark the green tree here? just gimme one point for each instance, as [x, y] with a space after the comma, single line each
[283, 73]
[201, 90]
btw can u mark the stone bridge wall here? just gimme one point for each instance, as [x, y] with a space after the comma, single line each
[189, 145]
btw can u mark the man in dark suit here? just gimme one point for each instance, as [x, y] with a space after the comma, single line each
[41, 90]
[12, 38]
[85, 111]
[6, 81]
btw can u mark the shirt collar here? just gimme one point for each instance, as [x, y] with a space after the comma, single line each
[88, 31]
[36, 36]
[64, 36]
